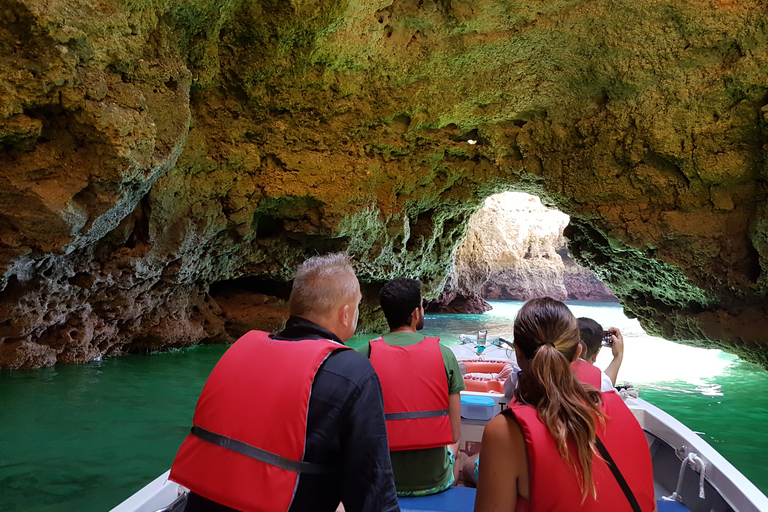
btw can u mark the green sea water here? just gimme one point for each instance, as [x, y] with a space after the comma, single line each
[85, 437]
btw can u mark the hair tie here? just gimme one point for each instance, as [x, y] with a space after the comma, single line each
[536, 350]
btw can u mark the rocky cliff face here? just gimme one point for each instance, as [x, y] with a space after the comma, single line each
[158, 159]
[515, 250]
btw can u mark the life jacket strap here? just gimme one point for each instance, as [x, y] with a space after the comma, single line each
[415, 414]
[259, 454]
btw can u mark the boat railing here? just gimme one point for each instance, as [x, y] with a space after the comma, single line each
[177, 505]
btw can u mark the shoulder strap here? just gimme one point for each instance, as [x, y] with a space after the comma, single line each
[617, 474]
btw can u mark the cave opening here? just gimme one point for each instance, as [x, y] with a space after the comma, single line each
[515, 249]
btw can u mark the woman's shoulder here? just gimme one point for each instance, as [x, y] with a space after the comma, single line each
[504, 453]
[504, 430]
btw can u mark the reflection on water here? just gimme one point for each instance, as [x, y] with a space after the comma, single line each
[85, 437]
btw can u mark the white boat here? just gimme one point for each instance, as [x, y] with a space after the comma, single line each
[689, 475]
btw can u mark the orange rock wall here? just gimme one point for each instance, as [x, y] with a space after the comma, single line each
[158, 157]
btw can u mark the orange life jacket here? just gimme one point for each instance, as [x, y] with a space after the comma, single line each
[415, 390]
[553, 482]
[246, 448]
[587, 373]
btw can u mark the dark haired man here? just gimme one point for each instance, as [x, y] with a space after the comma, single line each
[421, 382]
[293, 421]
[592, 342]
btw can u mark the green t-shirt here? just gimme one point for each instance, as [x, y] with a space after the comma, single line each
[417, 470]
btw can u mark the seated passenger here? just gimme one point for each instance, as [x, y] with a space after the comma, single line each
[420, 376]
[591, 334]
[548, 451]
[294, 420]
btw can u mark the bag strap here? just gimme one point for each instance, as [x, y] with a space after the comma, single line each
[617, 474]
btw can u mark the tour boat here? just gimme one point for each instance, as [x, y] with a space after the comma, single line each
[689, 475]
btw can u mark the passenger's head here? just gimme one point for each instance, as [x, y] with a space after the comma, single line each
[546, 342]
[591, 337]
[545, 320]
[326, 291]
[401, 302]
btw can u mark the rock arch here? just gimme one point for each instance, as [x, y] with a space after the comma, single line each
[151, 149]
[515, 250]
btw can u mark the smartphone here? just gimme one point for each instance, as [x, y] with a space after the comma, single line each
[607, 339]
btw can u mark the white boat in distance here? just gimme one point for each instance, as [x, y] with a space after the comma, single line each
[689, 475]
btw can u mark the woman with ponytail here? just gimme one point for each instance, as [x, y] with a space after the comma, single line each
[546, 452]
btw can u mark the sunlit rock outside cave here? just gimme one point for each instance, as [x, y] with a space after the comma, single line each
[515, 250]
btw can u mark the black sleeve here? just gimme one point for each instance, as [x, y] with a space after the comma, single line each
[367, 481]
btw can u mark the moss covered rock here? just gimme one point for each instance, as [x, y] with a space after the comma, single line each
[157, 152]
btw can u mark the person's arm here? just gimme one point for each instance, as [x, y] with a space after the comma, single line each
[617, 349]
[366, 480]
[454, 413]
[511, 382]
[503, 466]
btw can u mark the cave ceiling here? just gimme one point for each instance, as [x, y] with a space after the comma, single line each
[155, 155]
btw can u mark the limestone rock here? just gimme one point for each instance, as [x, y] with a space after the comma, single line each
[583, 284]
[150, 150]
[515, 250]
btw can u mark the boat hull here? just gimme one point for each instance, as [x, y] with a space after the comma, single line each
[725, 488]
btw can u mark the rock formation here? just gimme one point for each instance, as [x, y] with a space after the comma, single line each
[581, 283]
[158, 158]
[515, 250]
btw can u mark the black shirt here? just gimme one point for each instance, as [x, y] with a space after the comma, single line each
[345, 428]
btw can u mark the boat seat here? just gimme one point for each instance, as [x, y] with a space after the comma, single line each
[455, 499]
[671, 506]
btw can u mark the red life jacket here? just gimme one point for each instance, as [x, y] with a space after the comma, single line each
[587, 373]
[247, 444]
[415, 390]
[553, 483]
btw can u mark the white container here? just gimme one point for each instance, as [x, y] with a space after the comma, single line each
[477, 407]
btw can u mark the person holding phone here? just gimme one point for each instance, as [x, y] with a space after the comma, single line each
[561, 445]
[593, 338]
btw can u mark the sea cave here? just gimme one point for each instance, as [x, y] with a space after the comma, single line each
[165, 166]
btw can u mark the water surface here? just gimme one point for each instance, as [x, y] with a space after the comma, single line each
[85, 437]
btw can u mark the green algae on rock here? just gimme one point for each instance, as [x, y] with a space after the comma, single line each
[155, 152]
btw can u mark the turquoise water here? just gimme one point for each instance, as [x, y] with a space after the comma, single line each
[86, 437]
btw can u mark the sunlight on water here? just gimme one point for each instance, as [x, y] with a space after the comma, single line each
[647, 359]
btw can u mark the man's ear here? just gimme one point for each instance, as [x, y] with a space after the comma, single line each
[415, 315]
[345, 316]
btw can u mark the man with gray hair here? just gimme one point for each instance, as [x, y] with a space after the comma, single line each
[293, 421]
